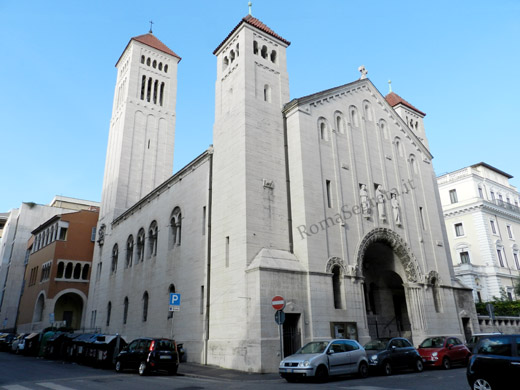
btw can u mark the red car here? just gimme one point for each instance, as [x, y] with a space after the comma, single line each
[443, 351]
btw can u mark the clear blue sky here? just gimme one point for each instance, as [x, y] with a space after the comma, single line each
[458, 61]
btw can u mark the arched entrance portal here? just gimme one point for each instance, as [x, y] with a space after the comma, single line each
[387, 265]
[68, 308]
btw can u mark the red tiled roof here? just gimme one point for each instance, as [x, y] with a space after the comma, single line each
[255, 23]
[150, 40]
[394, 99]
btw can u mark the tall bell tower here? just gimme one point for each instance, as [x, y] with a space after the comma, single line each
[142, 129]
[250, 205]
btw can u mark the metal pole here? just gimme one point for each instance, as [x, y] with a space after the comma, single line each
[171, 332]
[280, 329]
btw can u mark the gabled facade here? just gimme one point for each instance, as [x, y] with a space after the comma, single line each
[328, 200]
[482, 215]
[57, 272]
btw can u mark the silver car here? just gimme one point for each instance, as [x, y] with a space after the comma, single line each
[319, 359]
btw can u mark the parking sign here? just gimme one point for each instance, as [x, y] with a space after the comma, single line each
[175, 299]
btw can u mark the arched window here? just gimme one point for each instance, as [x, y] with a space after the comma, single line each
[154, 64]
[160, 65]
[267, 93]
[255, 47]
[436, 295]
[77, 271]
[140, 245]
[238, 51]
[336, 286]
[68, 271]
[340, 124]
[149, 89]
[129, 251]
[148, 61]
[176, 226]
[413, 164]
[152, 238]
[166, 68]
[125, 310]
[61, 268]
[384, 128]
[84, 272]
[323, 129]
[273, 56]
[263, 52]
[398, 147]
[354, 116]
[171, 290]
[143, 87]
[367, 107]
[142, 59]
[161, 94]
[109, 312]
[115, 254]
[38, 309]
[145, 306]
[155, 91]
[232, 55]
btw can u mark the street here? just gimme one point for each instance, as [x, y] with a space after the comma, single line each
[23, 373]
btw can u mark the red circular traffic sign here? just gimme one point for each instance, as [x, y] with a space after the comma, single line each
[278, 303]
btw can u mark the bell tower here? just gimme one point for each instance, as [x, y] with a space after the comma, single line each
[142, 129]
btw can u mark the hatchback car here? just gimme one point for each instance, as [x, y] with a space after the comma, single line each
[495, 363]
[389, 354]
[149, 354]
[443, 351]
[320, 359]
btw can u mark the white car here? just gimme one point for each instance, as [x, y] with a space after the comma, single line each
[319, 359]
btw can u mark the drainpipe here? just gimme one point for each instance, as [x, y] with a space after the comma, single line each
[208, 260]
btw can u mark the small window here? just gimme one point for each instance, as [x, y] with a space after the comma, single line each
[61, 268]
[160, 65]
[329, 195]
[145, 306]
[109, 312]
[166, 68]
[154, 64]
[453, 196]
[509, 231]
[480, 192]
[263, 52]
[77, 271]
[273, 57]
[148, 61]
[255, 47]
[493, 229]
[492, 196]
[267, 93]
[464, 257]
[142, 59]
[115, 254]
[459, 230]
[227, 251]
[125, 310]
[515, 256]
[140, 245]
[84, 272]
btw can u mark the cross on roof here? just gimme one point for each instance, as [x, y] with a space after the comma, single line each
[151, 23]
[363, 71]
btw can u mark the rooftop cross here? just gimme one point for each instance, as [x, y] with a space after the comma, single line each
[389, 86]
[151, 23]
[363, 71]
[250, 5]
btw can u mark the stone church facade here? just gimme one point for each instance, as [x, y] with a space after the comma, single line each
[328, 200]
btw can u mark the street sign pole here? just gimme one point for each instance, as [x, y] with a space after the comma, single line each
[280, 330]
[278, 303]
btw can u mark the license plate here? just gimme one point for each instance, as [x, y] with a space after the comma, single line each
[165, 357]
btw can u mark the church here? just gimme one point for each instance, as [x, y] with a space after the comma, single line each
[328, 200]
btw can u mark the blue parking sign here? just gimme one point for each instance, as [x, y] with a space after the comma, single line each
[175, 299]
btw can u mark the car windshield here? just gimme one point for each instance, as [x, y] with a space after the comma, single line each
[164, 345]
[314, 347]
[433, 342]
[377, 344]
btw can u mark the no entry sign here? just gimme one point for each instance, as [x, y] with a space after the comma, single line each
[278, 303]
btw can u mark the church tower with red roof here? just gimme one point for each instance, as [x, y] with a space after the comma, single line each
[142, 128]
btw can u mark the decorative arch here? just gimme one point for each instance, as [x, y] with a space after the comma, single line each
[39, 306]
[398, 245]
[335, 261]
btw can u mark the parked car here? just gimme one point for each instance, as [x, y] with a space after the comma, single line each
[473, 341]
[495, 363]
[320, 359]
[443, 351]
[149, 354]
[389, 354]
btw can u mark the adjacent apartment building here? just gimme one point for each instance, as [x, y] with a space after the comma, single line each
[482, 215]
[57, 273]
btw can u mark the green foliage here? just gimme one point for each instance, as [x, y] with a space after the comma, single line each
[502, 308]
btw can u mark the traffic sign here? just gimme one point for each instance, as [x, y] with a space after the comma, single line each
[278, 303]
[175, 299]
[279, 317]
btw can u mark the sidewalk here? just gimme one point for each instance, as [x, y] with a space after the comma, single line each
[213, 372]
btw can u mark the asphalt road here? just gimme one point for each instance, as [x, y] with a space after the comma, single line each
[23, 373]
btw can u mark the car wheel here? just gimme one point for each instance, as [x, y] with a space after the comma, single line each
[387, 368]
[363, 370]
[419, 366]
[142, 368]
[321, 374]
[446, 363]
[119, 366]
[481, 384]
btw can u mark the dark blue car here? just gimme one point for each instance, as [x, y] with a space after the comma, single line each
[387, 355]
